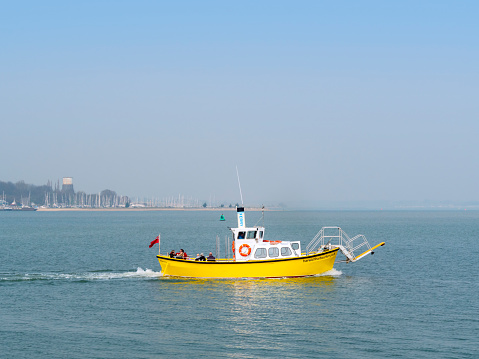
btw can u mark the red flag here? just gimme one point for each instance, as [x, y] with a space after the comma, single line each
[156, 240]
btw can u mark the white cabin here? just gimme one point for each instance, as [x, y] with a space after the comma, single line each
[249, 243]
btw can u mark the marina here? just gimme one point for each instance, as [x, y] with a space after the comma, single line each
[5, 206]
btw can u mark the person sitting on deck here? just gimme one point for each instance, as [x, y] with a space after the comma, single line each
[210, 258]
[172, 253]
[181, 254]
[200, 257]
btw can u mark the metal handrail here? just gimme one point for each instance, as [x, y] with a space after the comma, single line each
[337, 239]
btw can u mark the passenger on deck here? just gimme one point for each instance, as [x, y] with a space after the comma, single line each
[172, 253]
[200, 257]
[181, 254]
[210, 258]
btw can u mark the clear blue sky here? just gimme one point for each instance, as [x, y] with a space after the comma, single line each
[313, 100]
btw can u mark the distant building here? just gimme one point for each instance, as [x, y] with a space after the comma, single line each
[67, 186]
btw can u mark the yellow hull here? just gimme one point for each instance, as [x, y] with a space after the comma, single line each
[273, 268]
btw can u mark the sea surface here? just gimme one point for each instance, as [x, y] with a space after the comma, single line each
[86, 285]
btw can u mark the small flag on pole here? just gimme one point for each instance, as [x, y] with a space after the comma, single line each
[156, 240]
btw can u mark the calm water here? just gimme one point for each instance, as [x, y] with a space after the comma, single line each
[86, 285]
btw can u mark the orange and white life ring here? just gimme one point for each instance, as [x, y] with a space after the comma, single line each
[248, 250]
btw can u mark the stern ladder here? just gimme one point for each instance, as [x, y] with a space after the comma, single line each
[334, 237]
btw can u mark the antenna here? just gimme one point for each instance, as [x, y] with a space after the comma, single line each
[239, 184]
[262, 210]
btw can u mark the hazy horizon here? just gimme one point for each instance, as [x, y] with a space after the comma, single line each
[315, 102]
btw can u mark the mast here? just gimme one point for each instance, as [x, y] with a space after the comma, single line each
[239, 184]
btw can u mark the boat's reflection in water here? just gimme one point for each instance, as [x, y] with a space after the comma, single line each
[255, 309]
[243, 297]
[247, 289]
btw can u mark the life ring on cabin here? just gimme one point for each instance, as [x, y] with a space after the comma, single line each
[248, 248]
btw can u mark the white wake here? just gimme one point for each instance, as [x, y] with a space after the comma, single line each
[83, 276]
[331, 273]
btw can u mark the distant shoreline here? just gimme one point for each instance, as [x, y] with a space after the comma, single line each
[145, 209]
[253, 209]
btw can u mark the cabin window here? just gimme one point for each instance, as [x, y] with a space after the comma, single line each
[285, 251]
[260, 253]
[295, 246]
[260, 234]
[273, 252]
[241, 235]
[251, 235]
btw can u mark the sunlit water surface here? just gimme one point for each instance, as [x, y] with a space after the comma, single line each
[86, 285]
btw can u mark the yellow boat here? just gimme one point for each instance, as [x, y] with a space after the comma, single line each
[255, 257]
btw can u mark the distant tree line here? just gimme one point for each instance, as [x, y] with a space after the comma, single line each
[16, 191]
[50, 195]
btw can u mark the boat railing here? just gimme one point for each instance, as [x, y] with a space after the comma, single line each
[218, 246]
[193, 259]
[335, 237]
